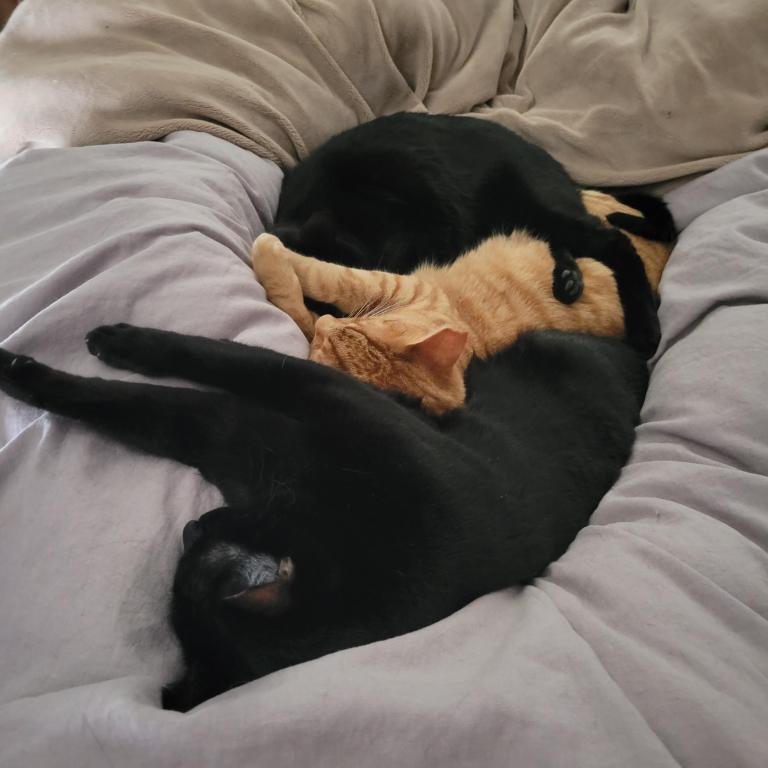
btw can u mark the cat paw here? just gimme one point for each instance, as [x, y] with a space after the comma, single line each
[17, 368]
[265, 245]
[567, 284]
[20, 375]
[113, 344]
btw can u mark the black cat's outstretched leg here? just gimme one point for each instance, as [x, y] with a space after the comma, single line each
[251, 372]
[567, 280]
[277, 385]
[192, 427]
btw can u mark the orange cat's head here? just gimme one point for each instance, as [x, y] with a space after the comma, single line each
[425, 357]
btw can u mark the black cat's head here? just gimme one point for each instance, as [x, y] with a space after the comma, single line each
[321, 235]
[233, 586]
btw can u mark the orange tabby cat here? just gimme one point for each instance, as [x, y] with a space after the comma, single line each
[417, 333]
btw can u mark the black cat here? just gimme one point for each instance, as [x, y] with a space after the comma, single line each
[403, 189]
[352, 515]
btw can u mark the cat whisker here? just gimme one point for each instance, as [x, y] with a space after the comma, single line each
[378, 309]
[386, 307]
[365, 310]
[362, 309]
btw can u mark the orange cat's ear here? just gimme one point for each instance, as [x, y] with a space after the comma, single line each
[441, 349]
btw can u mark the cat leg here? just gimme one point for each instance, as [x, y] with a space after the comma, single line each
[228, 365]
[282, 286]
[638, 301]
[251, 372]
[274, 384]
[192, 427]
[348, 288]
[585, 236]
[659, 224]
[652, 221]
[640, 226]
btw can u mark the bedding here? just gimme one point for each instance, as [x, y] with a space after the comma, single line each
[672, 88]
[644, 645]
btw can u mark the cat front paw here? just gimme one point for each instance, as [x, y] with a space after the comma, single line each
[19, 376]
[265, 246]
[273, 269]
[17, 368]
[114, 344]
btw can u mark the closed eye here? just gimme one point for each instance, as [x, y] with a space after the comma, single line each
[353, 333]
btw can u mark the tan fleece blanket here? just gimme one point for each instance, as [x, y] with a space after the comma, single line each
[621, 93]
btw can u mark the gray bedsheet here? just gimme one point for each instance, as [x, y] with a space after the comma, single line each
[645, 645]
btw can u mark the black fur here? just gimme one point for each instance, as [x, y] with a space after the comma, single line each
[392, 519]
[657, 222]
[407, 188]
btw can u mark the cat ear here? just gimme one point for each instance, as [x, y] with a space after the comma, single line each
[261, 585]
[441, 349]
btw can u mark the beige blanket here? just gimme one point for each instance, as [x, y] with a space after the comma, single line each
[621, 93]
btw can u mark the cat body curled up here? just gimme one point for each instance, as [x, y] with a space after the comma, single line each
[351, 514]
[416, 333]
[410, 188]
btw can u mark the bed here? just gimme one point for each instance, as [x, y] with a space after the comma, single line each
[644, 645]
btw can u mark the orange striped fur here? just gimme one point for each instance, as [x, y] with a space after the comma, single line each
[416, 333]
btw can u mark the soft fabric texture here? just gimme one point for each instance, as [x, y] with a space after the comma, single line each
[645, 645]
[620, 92]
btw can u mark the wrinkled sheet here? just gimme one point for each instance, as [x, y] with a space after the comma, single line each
[645, 645]
[620, 92]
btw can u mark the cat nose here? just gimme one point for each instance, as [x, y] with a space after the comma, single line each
[191, 533]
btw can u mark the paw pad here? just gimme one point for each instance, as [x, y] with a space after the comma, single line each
[568, 286]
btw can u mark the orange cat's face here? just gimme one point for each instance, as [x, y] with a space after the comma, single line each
[424, 358]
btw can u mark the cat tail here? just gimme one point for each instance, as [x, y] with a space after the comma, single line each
[657, 222]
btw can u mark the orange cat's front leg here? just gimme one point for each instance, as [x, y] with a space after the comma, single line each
[349, 289]
[280, 282]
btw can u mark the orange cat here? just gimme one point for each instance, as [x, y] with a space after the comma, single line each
[417, 333]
